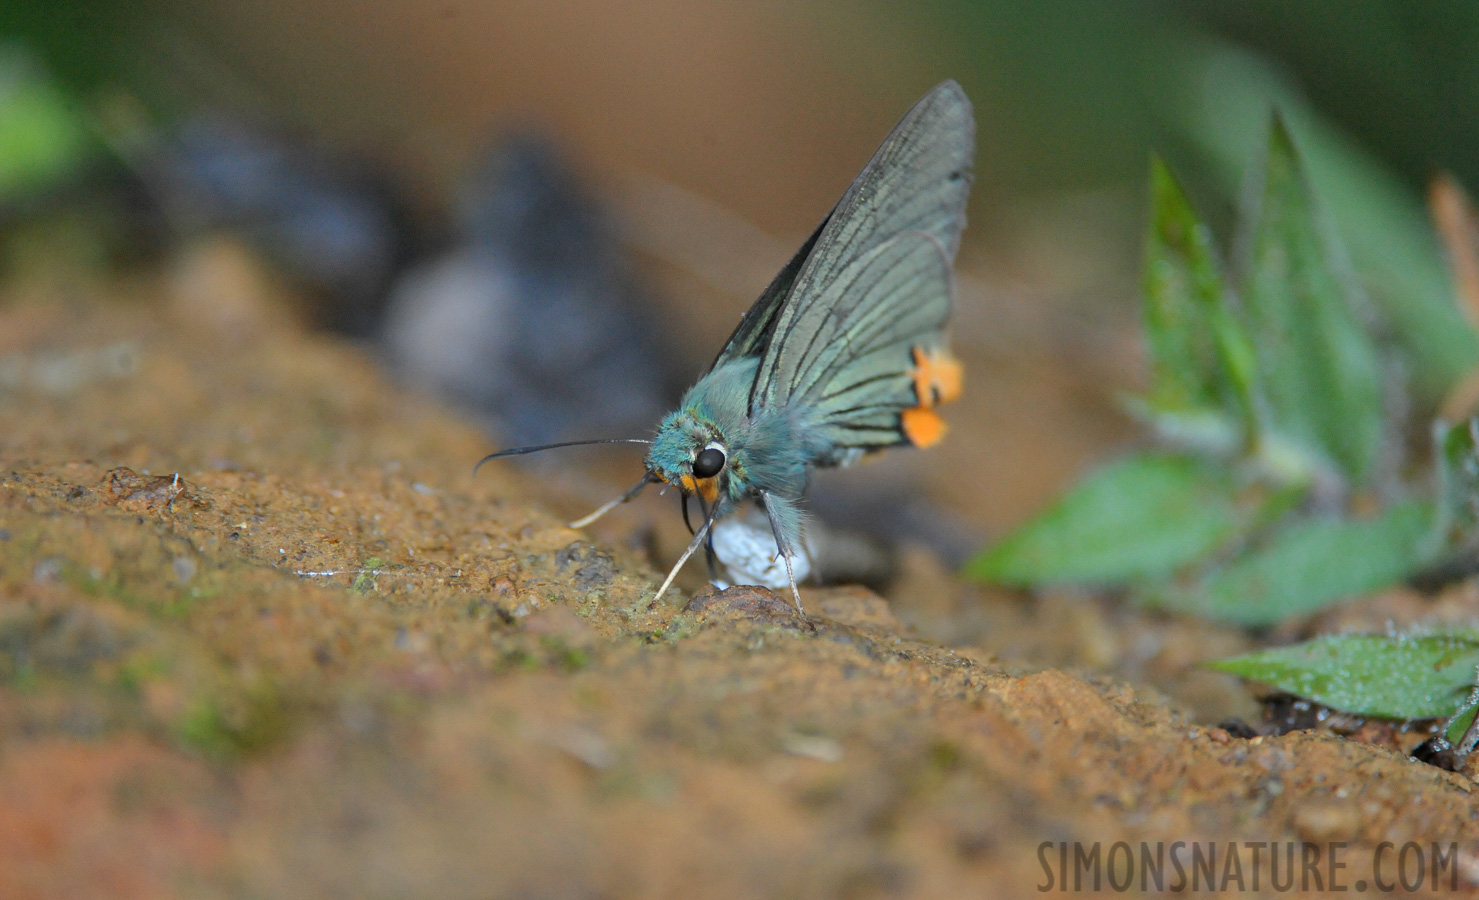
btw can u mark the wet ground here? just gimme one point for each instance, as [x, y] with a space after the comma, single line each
[262, 634]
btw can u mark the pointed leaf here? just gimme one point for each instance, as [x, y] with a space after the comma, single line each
[1370, 675]
[1181, 286]
[1309, 564]
[1200, 357]
[1398, 258]
[1319, 369]
[1218, 98]
[1142, 517]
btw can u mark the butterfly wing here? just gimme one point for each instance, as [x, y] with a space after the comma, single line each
[876, 281]
[858, 381]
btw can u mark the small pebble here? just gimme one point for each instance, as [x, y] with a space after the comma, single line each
[184, 568]
[47, 570]
[821, 749]
[1435, 751]
[1238, 728]
[1321, 822]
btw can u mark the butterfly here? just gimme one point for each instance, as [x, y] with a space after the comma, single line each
[844, 353]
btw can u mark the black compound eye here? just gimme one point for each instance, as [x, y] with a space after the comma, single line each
[708, 462]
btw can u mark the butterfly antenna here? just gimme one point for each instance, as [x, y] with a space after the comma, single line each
[520, 451]
[693, 545]
[631, 492]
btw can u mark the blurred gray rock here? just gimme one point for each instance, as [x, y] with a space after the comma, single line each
[531, 320]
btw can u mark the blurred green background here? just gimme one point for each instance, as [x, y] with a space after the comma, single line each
[747, 102]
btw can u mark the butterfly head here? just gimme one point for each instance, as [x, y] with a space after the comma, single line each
[691, 454]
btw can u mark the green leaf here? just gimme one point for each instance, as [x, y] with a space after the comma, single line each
[1138, 518]
[1457, 466]
[1309, 564]
[1462, 720]
[1395, 252]
[1182, 286]
[1215, 97]
[1370, 675]
[1320, 372]
[1201, 359]
[42, 139]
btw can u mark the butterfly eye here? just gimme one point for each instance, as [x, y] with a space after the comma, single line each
[708, 462]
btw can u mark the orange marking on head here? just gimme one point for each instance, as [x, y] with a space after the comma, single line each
[938, 376]
[708, 488]
[923, 427]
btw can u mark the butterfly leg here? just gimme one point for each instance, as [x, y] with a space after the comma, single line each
[785, 524]
[693, 545]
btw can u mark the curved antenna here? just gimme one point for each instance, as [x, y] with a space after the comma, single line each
[632, 491]
[519, 451]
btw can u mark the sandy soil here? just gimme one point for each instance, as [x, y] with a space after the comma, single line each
[262, 634]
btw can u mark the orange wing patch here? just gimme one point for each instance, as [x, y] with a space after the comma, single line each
[923, 427]
[937, 379]
[937, 376]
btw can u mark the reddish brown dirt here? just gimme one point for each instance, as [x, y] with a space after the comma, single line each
[325, 661]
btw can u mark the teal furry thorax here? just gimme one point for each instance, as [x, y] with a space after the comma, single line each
[768, 452]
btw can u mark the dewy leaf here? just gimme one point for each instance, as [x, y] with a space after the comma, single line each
[1138, 518]
[1310, 564]
[1200, 357]
[1458, 727]
[1319, 369]
[1370, 675]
